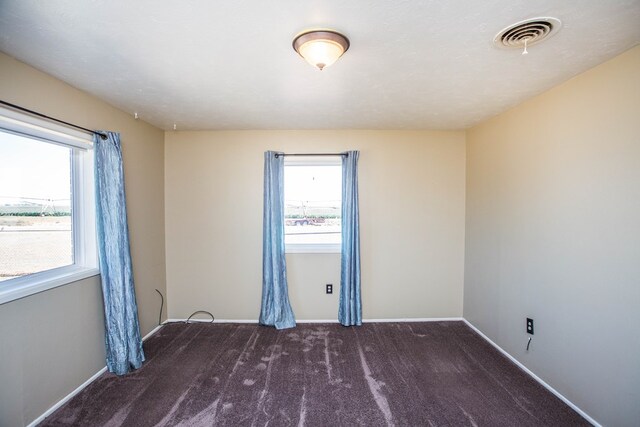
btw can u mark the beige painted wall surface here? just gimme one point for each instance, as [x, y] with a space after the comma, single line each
[51, 343]
[54, 340]
[411, 219]
[553, 232]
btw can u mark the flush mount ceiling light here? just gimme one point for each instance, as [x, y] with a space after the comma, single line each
[320, 48]
[527, 33]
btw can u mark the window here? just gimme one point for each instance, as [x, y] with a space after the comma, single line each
[47, 227]
[313, 204]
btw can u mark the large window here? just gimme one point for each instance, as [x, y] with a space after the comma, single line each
[47, 231]
[313, 204]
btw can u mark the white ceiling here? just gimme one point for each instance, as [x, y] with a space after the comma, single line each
[206, 64]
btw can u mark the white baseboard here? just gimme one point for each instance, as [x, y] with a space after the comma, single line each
[80, 388]
[67, 398]
[316, 320]
[414, 319]
[534, 376]
[153, 331]
[215, 321]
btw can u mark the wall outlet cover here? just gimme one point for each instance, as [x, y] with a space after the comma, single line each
[329, 288]
[529, 326]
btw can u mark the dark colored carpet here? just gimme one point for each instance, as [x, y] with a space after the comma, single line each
[409, 374]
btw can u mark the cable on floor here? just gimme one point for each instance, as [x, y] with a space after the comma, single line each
[200, 311]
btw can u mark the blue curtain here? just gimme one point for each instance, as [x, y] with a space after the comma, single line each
[350, 310]
[122, 334]
[275, 309]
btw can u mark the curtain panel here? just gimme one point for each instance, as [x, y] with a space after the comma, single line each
[275, 308]
[350, 308]
[122, 334]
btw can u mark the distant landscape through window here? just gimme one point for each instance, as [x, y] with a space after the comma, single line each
[35, 206]
[313, 207]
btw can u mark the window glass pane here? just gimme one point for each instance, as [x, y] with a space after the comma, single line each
[313, 204]
[35, 206]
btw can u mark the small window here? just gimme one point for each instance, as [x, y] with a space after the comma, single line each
[47, 227]
[313, 204]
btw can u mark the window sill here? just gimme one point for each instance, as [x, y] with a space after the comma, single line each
[306, 248]
[24, 286]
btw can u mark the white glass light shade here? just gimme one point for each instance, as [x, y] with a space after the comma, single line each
[321, 48]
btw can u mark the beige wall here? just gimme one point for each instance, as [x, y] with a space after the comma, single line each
[411, 219]
[553, 232]
[53, 341]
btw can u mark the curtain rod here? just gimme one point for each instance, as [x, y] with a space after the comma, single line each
[44, 116]
[311, 154]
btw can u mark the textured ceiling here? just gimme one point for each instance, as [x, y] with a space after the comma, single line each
[229, 64]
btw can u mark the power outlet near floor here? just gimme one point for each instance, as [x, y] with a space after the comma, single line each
[329, 288]
[529, 326]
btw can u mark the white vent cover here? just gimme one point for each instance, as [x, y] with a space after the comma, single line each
[527, 33]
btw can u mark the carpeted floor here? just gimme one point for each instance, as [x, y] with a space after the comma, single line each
[404, 374]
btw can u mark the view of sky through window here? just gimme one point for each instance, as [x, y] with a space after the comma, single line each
[33, 170]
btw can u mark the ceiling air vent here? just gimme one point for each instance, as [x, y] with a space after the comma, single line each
[527, 33]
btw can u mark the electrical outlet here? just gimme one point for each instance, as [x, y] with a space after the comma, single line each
[529, 326]
[329, 288]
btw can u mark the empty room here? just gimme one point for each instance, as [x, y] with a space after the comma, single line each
[319, 213]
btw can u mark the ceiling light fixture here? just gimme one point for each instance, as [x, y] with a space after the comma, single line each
[320, 48]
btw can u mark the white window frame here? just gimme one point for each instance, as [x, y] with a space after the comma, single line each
[83, 204]
[310, 248]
